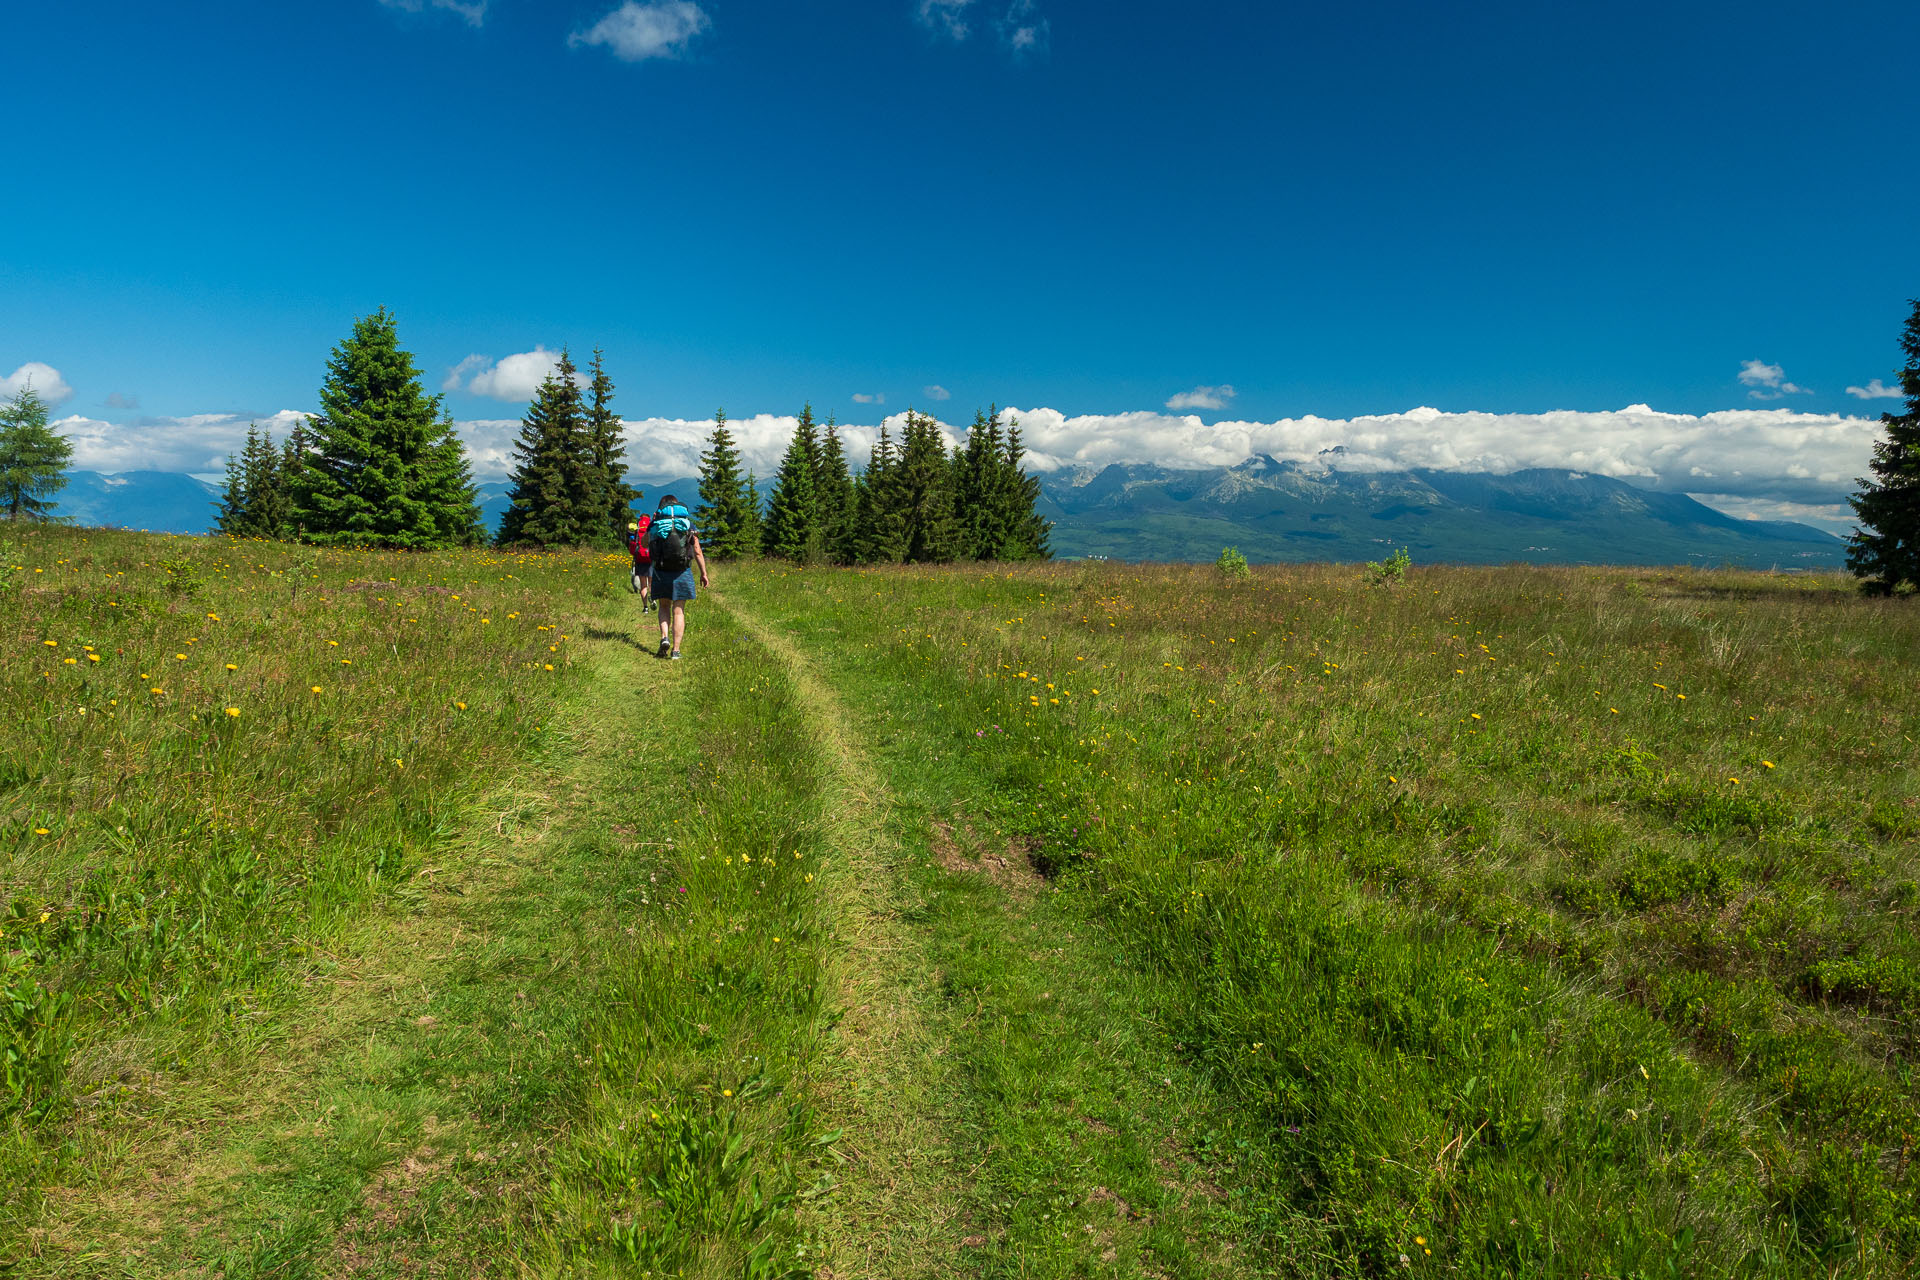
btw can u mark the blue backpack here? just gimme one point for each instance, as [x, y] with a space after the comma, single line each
[670, 539]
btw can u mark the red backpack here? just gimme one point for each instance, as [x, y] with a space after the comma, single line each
[637, 542]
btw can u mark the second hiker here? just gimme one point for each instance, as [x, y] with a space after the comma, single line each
[674, 546]
[642, 560]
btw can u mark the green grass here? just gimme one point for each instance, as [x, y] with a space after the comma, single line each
[1508, 948]
[1072, 920]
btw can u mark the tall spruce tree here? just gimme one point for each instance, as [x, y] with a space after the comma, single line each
[833, 496]
[1028, 531]
[33, 458]
[879, 535]
[923, 480]
[728, 522]
[792, 529]
[1885, 552]
[981, 504]
[616, 497]
[378, 467]
[558, 497]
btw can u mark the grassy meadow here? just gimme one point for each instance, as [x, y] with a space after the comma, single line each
[398, 915]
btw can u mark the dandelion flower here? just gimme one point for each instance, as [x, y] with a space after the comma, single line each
[41, 831]
[548, 666]
[1767, 763]
[93, 657]
[460, 706]
[315, 689]
[51, 644]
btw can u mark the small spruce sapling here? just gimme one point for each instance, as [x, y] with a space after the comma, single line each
[1384, 573]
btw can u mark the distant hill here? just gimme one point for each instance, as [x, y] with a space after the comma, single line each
[157, 501]
[1271, 510]
[1287, 511]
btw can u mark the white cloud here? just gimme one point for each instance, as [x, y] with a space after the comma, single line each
[1023, 30]
[1876, 390]
[1772, 453]
[474, 11]
[515, 377]
[860, 397]
[937, 392]
[1768, 381]
[45, 380]
[635, 32]
[1203, 398]
[947, 18]
[197, 444]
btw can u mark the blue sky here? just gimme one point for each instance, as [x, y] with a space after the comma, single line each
[1331, 209]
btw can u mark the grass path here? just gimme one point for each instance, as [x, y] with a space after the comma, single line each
[399, 1123]
[899, 1206]
[1015, 1114]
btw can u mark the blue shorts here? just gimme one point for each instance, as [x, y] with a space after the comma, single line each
[678, 586]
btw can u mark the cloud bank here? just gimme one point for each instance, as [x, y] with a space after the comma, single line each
[635, 32]
[43, 378]
[1766, 462]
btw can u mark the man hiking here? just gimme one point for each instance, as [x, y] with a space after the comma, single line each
[642, 560]
[674, 545]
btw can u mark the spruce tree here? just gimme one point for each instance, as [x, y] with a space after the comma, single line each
[616, 497]
[792, 528]
[33, 458]
[375, 470]
[980, 504]
[1027, 530]
[230, 514]
[833, 497]
[923, 481]
[879, 535]
[1885, 552]
[447, 483]
[557, 499]
[254, 502]
[754, 528]
[728, 526]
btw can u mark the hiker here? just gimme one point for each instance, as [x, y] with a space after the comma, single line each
[674, 545]
[642, 560]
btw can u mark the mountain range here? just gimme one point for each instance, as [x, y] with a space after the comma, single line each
[1270, 510]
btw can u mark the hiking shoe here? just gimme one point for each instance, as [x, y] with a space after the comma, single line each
[665, 646]
[675, 655]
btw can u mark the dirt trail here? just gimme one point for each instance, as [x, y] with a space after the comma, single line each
[898, 1209]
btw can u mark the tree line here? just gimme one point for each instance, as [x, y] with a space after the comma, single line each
[381, 465]
[916, 501]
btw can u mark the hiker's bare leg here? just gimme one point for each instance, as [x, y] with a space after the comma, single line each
[665, 612]
[679, 623]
